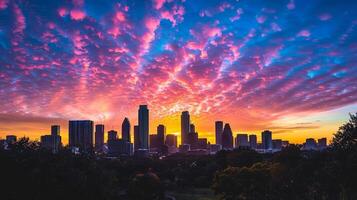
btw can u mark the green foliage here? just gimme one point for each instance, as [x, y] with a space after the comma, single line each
[346, 137]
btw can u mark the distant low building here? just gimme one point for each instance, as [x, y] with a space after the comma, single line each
[51, 142]
[322, 143]
[277, 144]
[10, 139]
[310, 144]
[214, 148]
[253, 141]
[241, 140]
[184, 148]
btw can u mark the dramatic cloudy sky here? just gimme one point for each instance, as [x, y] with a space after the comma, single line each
[286, 65]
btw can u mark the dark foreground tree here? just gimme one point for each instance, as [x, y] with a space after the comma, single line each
[146, 187]
[346, 136]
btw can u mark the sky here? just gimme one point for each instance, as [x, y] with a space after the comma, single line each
[285, 65]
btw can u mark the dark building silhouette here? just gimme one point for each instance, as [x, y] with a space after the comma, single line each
[125, 130]
[154, 146]
[219, 131]
[136, 138]
[81, 134]
[99, 137]
[55, 130]
[143, 116]
[277, 144]
[253, 141]
[192, 128]
[192, 140]
[185, 126]
[171, 140]
[227, 137]
[10, 139]
[52, 142]
[322, 143]
[241, 141]
[267, 140]
[161, 133]
[202, 143]
[112, 135]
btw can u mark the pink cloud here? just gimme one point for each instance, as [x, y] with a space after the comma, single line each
[62, 12]
[304, 33]
[77, 15]
[291, 5]
[325, 17]
[261, 19]
[120, 16]
[158, 4]
[114, 31]
[20, 20]
[3, 4]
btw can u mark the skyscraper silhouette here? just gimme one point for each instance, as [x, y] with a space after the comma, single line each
[227, 137]
[55, 130]
[81, 134]
[267, 139]
[185, 126]
[136, 137]
[125, 130]
[219, 131]
[143, 126]
[99, 137]
[161, 132]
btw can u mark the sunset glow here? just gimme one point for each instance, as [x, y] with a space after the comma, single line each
[286, 66]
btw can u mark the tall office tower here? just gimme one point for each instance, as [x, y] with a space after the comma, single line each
[253, 141]
[161, 132]
[55, 130]
[185, 126]
[99, 137]
[143, 126]
[136, 137]
[55, 138]
[125, 130]
[81, 134]
[267, 139]
[171, 140]
[219, 131]
[227, 137]
[112, 135]
[192, 128]
[242, 140]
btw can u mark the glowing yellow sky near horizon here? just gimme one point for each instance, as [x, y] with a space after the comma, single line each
[295, 128]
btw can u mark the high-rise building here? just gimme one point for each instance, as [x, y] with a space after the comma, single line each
[185, 126]
[267, 139]
[136, 138]
[112, 135]
[125, 130]
[99, 137]
[161, 132]
[192, 128]
[227, 137]
[55, 130]
[52, 142]
[81, 134]
[241, 141]
[171, 140]
[253, 141]
[219, 131]
[143, 127]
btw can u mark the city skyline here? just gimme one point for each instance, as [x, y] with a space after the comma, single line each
[285, 66]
